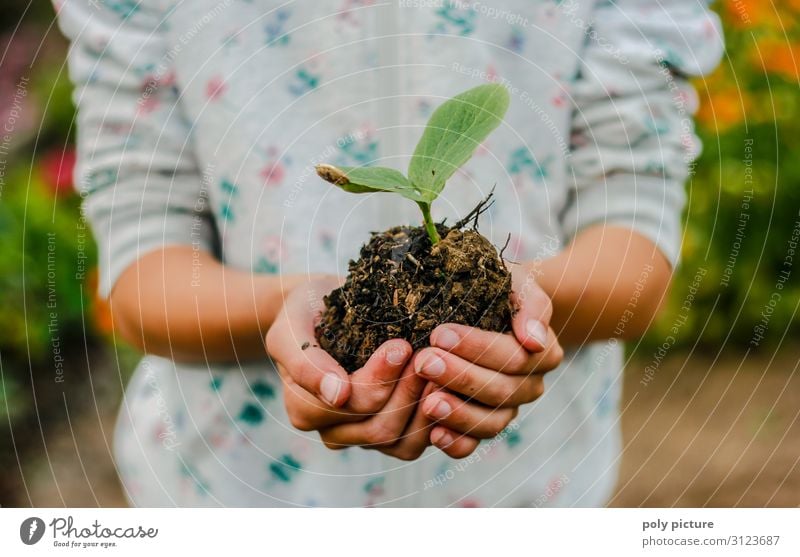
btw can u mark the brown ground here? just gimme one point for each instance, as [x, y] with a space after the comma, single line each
[716, 435]
[697, 435]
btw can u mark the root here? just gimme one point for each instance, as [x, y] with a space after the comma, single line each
[479, 209]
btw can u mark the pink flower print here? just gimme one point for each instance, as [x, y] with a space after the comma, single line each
[272, 254]
[374, 490]
[168, 79]
[555, 486]
[348, 13]
[491, 73]
[687, 98]
[215, 88]
[116, 128]
[273, 248]
[375, 486]
[273, 173]
[148, 95]
[550, 13]
[148, 104]
[470, 504]
[219, 441]
[709, 29]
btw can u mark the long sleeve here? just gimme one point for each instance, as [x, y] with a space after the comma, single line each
[633, 138]
[136, 170]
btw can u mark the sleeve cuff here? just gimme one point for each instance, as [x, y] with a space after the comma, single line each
[648, 205]
[124, 245]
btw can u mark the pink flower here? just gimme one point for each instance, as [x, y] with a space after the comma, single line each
[57, 168]
[273, 248]
[215, 88]
[148, 105]
[559, 99]
[272, 174]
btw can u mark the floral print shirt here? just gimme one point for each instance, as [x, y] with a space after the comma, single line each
[199, 123]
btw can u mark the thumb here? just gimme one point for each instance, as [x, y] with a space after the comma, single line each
[373, 384]
[532, 320]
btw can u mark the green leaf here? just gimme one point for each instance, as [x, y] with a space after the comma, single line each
[454, 132]
[368, 179]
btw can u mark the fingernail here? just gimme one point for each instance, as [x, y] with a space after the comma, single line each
[443, 439]
[431, 366]
[330, 387]
[447, 338]
[537, 331]
[396, 356]
[440, 410]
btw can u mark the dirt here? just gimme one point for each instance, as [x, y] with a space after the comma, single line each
[402, 287]
[712, 430]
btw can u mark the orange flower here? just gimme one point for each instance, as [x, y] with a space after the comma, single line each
[722, 108]
[779, 57]
[101, 314]
[746, 13]
[792, 6]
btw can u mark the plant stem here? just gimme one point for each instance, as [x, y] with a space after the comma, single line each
[430, 227]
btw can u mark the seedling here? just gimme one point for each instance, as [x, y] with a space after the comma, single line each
[453, 133]
[407, 280]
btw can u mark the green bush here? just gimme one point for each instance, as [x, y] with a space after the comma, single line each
[748, 173]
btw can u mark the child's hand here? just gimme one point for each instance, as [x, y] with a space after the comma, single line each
[467, 360]
[318, 392]
[399, 429]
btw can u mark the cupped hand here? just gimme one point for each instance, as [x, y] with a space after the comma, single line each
[486, 376]
[400, 429]
[318, 392]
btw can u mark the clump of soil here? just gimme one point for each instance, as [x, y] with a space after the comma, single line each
[401, 287]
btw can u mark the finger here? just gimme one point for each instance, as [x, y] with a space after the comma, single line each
[386, 427]
[372, 384]
[534, 310]
[365, 391]
[501, 352]
[494, 389]
[465, 417]
[311, 368]
[549, 359]
[416, 438]
[318, 373]
[452, 443]
[307, 413]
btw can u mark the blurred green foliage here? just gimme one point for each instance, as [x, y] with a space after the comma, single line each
[744, 197]
[47, 254]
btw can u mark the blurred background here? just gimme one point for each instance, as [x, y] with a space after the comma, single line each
[712, 395]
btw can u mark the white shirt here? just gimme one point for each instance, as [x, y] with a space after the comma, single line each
[200, 122]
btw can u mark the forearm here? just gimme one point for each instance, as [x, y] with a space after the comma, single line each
[187, 306]
[609, 282]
